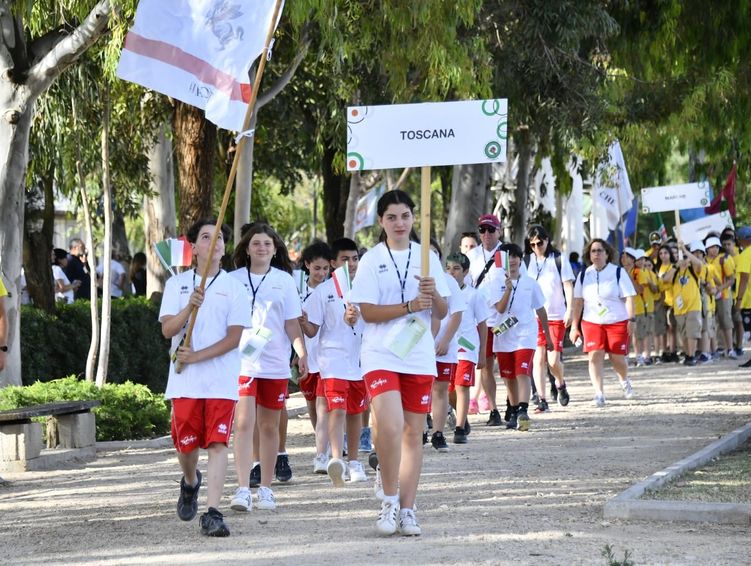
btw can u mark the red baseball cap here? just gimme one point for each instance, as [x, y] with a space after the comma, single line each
[489, 220]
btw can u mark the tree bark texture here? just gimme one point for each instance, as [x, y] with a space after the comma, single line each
[39, 221]
[470, 185]
[335, 193]
[160, 219]
[352, 198]
[104, 337]
[520, 217]
[195, 147]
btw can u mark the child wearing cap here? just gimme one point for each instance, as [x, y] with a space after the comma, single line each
[724, 266]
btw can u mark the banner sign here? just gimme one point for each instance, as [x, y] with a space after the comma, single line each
[675, 197]
[698, 229]
[432, 133]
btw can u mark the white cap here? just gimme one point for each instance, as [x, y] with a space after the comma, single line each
[639, 254]
[713, 241]
[630, 251]
[696, 245]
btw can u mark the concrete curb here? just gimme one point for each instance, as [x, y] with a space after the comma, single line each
[628, 505]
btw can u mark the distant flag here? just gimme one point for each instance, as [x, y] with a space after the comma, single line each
[728, 193]
[174, 252]
[365, 212]
[612, 189]
[663, 232]
[199, 52]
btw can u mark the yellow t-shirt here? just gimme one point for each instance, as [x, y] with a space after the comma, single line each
[743, 265]
[686, 294]
[3, 290]
[643, 302]
[726, 266]
[665, 287]
[650, 297]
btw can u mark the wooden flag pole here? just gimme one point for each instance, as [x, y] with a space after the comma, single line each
[677, 231]
[233, 170]
[425, 221]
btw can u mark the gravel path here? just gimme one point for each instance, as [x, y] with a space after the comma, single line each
[506, 497]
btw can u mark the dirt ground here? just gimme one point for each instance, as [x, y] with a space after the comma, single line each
[504, 498]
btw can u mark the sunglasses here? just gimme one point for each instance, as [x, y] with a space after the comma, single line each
[489, 229]
[537, 244]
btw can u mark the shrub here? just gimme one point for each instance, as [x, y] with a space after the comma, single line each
[128, 410]
[53, 346]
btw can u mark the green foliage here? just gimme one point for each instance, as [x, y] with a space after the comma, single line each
[128, 410]
[53, 346]
[608, 554]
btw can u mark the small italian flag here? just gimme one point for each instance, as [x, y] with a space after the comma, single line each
[174, 252]
[342, 281]
[501, 259]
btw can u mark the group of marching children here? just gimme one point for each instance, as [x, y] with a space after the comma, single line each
[688, 299]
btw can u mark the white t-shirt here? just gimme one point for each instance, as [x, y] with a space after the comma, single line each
[276, 301]
[116, 271]
[545, 272]
[456, 304]
[58, 273]
[477, 311]
[339, 343]
[478, 259]
[225, 304]
[526, 297]
[311, 344]
[378, 283]
[604, 299]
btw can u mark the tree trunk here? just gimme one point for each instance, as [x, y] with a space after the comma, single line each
[195, 147]
[39, 222]
[521, 193]
[244, 181]
[470, 185]
[335, 195]
[104, 338]
[160, 220]
[352, 198]
[120, 246]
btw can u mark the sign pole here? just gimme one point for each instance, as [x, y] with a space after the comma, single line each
[425, 221]
[677, 231]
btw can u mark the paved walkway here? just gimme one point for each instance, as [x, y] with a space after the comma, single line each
[505, 498]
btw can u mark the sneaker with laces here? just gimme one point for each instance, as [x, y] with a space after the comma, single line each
[522, 421]
[242, 501]
[212, 524]
[704, 359]
[187, 503]
[387, 518]
[356, 472]
[467, 427]
[373, 460]
[366, 440]
[628, 390]
[474, 408]
[255, 475]
[689, 361]
[738, 352]
[599, 400]
[378, 485]
[512, 421]
[282, 471]
[460, 437]
[451, 418]
[494, 418]
[640, 361]
[319, 464]
[335, 470]
[439, 442]
[542, 407]
[408, 525]
[731, 354]
[658, 360]
[563, 397]
[265, 499]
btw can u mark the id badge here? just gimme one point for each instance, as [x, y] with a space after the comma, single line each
[405, 335]
[257, 338]
[602, 310]
[679, 302]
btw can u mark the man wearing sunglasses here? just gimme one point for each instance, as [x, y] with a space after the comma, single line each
[482, 269]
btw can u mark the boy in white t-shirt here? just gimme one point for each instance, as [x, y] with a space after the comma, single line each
[338, 326]
[471, 340]
[204, 393]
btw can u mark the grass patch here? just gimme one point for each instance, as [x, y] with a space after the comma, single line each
[726, 479]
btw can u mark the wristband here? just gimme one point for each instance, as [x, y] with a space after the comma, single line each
[409, 307]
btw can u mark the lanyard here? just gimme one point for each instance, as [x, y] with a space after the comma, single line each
[597, 277]
[402, 282]
[537, 265]
[254, 290]
[210, 282]
[307, 288]
[513, 294]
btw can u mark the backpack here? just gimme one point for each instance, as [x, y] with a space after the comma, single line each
[617, 275]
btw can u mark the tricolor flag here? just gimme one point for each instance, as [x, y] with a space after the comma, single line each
[174, 252]
[501, 260]
[199, 52]
[342, 282]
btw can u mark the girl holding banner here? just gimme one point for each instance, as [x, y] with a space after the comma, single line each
[398, 355]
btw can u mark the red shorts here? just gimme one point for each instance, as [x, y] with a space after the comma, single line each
[513, 364]
[309, 386]
[343, 394]
[269, 393]
[445, 371]
[557, 332]
[415, 389]
[613, 338]
[464, 374]
[197, 423]
[489, 344]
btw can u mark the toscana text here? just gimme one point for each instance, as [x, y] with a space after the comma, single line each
[427, 134]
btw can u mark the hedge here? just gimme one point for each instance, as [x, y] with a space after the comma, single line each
[128, 410]
[54, 346]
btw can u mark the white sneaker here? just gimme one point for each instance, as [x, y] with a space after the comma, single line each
[378, 485]
[599, 400]
[732, 355]
[319, 464]
[628, 390]
[265, 499]
[386, 524]
[335, 469]
[640, 361]
[356, 472]
[242, 501]
[408, 523]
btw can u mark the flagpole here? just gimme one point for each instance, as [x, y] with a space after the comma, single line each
[233, 170]
[425, 221]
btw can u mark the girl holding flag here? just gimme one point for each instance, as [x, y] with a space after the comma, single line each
[398, 354]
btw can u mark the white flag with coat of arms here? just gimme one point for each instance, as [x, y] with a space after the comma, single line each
[612, 192]
[199, 52]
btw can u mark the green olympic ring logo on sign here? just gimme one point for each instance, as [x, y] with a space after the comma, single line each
[501, 129]
[496, 107]
[355, 161]
[492, 149]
